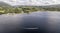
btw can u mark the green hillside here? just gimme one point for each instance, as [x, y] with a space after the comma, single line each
[6, 8]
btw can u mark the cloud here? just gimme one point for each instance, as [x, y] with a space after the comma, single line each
[31, 2]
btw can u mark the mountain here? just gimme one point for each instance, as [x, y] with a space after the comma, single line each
[4, 4]
[45, 6]
[50, 6]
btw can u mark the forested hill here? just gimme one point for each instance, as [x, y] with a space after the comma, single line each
[4, 4]
[6, 8]
[54, 6]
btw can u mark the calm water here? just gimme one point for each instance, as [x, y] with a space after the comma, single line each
[36, 22]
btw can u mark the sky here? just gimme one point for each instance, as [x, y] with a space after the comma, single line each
[31, 2]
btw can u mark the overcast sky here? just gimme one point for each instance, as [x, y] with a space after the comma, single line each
[31, 2]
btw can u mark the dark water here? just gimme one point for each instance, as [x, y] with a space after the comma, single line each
[37, 22]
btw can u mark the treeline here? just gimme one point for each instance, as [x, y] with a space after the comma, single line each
[52, 9]
[25, 9]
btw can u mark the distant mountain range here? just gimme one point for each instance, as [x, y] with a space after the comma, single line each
[47, 6]
[50, 6]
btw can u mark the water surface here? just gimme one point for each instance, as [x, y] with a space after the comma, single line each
[36, 22]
